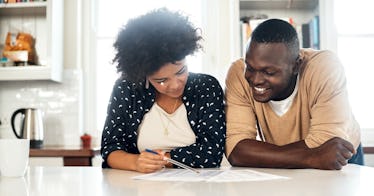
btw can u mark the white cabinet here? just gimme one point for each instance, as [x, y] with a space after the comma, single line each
[43, 20]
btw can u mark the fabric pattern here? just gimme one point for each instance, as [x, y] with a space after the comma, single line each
[204, 102]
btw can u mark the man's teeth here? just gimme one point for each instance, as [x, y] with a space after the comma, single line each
[260, 89]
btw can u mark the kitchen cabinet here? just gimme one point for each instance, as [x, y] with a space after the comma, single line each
[44, 21]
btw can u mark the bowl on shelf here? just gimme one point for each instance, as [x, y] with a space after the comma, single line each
[16, 56]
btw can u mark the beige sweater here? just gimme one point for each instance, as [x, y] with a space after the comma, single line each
[320, 109]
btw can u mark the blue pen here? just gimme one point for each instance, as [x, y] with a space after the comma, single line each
[174, 162]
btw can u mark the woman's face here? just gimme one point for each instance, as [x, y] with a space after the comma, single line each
[170, 79]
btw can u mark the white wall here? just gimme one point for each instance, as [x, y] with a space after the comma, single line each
[72, 34]
[221, 36]
[60, 103]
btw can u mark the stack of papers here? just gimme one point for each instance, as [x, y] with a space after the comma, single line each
[208, 176]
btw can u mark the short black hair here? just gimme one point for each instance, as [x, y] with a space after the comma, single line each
[277, 31]
[149, 41]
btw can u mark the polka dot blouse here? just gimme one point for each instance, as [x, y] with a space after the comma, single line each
[203, 99]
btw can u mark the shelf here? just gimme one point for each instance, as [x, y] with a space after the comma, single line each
[28, 73]
[25, 8]
[23, 4]
[278, 4]
[72, 155]
[44, 21]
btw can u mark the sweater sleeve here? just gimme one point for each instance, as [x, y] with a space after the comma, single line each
[208, 123]
[331, 115]
[240, 117]
[116, 134]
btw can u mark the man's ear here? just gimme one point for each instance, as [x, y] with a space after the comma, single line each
[296, 68]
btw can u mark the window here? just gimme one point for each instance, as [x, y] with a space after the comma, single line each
[111, 15]
[355, 41]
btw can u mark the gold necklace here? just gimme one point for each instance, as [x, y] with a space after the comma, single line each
[166, 127]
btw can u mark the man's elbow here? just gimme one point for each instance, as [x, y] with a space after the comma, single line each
[233, 160]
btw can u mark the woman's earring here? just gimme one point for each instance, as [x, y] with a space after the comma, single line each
[146, 83]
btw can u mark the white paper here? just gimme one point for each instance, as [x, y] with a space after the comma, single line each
[208, 175]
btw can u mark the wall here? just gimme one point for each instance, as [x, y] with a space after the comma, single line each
[72, 34]
[221, 40]
[60, 103]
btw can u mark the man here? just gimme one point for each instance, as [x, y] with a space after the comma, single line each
[294, 100]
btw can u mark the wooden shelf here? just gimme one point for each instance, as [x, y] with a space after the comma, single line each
[72, 155]
[368, 149]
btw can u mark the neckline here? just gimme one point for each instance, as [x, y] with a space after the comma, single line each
[159, 108]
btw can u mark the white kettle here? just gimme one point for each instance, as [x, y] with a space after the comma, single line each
[31, 126]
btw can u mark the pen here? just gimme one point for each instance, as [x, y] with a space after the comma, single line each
[175, 162]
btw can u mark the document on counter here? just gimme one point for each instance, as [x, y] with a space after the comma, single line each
[208, 175]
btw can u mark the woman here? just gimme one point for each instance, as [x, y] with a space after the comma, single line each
[157, 104]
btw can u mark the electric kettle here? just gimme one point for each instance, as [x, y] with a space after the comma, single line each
[31, 126]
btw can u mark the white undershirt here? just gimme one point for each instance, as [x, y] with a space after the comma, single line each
[282, 106]
[151, 130]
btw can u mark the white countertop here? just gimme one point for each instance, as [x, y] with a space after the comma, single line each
[87, 181]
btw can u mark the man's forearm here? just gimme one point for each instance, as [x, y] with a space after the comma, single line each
[333, 154]
[252, 153]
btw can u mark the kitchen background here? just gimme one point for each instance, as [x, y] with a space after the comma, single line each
[77, 104]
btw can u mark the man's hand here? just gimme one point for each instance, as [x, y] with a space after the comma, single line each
[332, 155]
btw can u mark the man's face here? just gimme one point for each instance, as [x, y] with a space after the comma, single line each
[269, 71]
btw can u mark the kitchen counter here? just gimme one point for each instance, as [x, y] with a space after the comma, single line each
[72, 155]
[91, 181]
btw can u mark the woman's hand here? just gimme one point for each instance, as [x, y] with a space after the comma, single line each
[148, 162]
[144, 162]
[168, 164]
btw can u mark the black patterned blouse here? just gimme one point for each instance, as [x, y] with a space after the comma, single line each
[203, 99]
